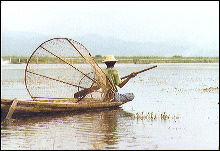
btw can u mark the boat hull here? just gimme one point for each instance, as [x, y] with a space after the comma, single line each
[30, 106]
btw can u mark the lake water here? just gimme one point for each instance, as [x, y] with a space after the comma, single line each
[188, 93]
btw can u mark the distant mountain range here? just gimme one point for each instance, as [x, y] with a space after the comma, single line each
[18, 43]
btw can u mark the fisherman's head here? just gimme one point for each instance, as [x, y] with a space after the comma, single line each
[110, 61]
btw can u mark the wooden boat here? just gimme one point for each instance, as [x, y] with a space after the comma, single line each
[89, 85]
[45, 106]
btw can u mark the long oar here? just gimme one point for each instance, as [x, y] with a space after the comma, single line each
[86, 91]
[140, 71]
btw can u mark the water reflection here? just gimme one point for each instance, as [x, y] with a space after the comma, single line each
[187, 90]
[82, 130]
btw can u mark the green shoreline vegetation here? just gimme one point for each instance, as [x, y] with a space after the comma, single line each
[122, 59]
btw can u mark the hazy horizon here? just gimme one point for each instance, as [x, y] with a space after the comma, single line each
[122, 28]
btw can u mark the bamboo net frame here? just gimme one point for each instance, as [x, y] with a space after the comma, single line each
[50, 75]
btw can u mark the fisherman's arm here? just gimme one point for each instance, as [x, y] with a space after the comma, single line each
[122, 83]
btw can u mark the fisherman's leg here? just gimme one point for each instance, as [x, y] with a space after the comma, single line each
[123, 97]
[116, 97]
[126, 97]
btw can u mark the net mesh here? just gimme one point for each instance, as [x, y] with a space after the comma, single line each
[62, 67]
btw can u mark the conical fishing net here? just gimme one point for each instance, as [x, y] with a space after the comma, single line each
[64, 69]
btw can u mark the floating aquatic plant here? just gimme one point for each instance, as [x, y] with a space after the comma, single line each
[211, 89]
[154, 116]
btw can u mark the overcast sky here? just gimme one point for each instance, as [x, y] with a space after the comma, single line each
[163, 21]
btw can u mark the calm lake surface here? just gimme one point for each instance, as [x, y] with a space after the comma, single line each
[188, 93]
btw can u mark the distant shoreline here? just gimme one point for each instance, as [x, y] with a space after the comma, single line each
[122, 59]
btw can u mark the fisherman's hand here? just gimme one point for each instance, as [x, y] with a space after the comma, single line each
[133, 74]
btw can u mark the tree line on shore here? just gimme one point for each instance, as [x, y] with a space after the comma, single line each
[122, 59]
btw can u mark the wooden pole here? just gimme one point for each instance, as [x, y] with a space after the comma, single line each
[11, 109]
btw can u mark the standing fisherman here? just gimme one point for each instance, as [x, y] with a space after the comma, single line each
[115, 79]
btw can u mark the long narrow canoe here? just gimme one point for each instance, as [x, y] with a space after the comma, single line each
[44, 106]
